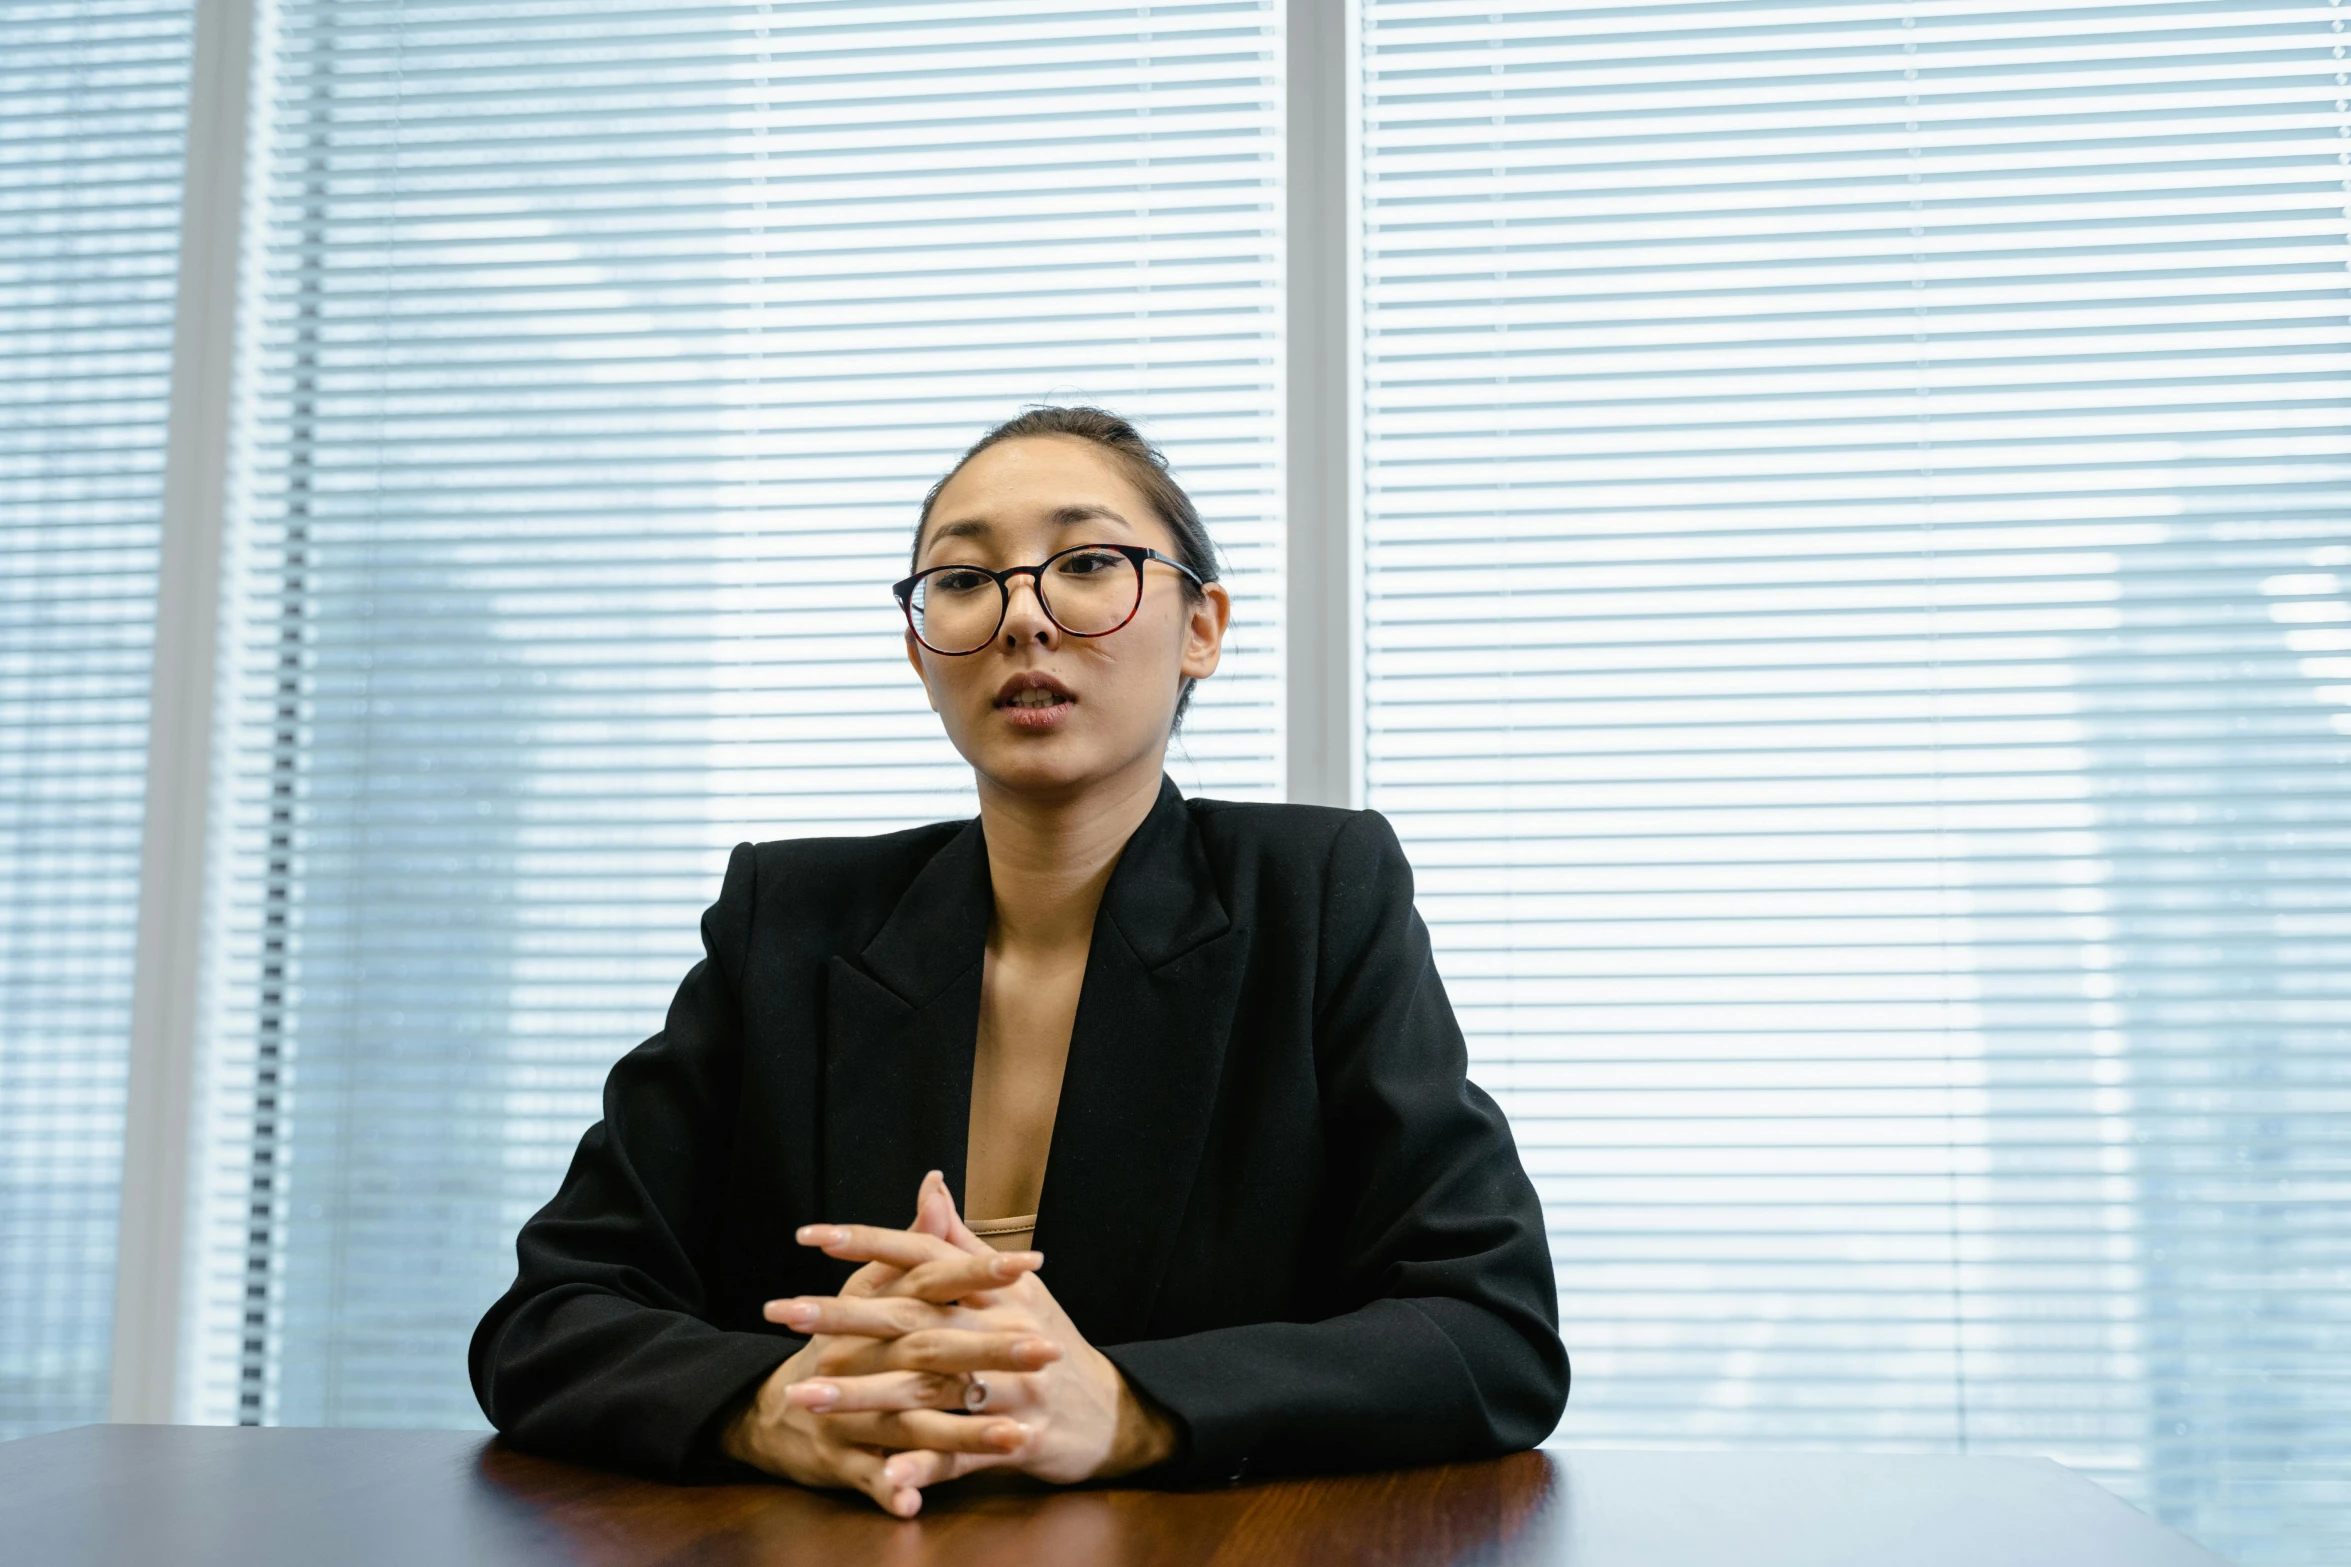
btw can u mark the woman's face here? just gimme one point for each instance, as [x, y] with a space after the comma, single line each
[1038, 711]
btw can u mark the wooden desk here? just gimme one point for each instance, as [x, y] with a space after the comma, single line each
[107, 1495]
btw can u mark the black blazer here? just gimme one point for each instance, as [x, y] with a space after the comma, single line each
[1273, 1198]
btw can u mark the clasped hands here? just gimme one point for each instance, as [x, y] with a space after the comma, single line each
[879, 1398]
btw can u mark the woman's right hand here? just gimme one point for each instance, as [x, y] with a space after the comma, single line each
[797, 1443]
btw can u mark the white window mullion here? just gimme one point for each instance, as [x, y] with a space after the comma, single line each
[1321, 408]
[150, 1318]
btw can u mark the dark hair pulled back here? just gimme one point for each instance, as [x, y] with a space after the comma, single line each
[1145, 467]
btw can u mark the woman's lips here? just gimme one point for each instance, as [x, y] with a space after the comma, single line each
[1034, 701]
[1036, 716]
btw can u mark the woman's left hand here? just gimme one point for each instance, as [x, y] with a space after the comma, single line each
[1080, 1420]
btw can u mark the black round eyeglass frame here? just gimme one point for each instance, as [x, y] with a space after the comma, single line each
[1136, 556]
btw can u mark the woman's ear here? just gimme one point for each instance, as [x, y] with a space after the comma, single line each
[1204, 631]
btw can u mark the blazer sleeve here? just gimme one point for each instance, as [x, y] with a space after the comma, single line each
[1451, 1349]
[601, 1351]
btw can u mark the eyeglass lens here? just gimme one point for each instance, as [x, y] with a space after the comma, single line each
[1087, 592]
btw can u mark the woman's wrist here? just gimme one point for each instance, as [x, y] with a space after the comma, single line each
[1145, 1435]
[734, 1437]
[738, 1437]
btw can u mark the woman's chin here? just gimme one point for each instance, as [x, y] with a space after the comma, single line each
[1043, 763]
[1030, 759]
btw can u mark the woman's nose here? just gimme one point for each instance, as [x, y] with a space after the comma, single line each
[1024, 615]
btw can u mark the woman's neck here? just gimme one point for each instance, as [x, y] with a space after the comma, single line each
[1050, 859]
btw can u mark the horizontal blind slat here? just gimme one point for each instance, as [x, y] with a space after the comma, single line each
[93, 103]
[603, 356]
[1744, 389]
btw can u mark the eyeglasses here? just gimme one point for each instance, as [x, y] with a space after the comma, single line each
[1089, 590]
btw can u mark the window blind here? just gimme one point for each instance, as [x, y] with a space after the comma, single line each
[1857, 523]
[93, 105]
[603, 356]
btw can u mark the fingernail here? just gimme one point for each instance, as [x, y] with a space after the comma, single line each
[793, 1313]
[819, 1234]
[812, 1395]
[896, 1471]
[1010, 1435]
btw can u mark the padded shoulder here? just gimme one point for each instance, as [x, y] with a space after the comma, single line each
[843, 888]
[1293, 841]
[1302, 829]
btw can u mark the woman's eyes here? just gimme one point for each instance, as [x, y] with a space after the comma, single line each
[971, 579]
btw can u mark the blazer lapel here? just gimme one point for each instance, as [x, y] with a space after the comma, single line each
[901, 1020]
[1138, 1096]
[1139, 1093]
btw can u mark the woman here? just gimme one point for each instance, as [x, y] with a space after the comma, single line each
[1195, 1052]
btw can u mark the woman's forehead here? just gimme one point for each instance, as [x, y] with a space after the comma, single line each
[1034, 488]
[1108, 521]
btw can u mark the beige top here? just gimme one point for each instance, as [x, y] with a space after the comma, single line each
[1006, 1234]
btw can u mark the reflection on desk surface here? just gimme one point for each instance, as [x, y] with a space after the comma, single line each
[106, 1495]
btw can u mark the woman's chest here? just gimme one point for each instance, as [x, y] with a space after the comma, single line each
[1028, 1008]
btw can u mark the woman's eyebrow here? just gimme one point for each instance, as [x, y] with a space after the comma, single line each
[1065, 516]
[968, 528]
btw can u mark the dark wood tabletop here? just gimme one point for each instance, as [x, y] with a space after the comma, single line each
[108, 1495]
